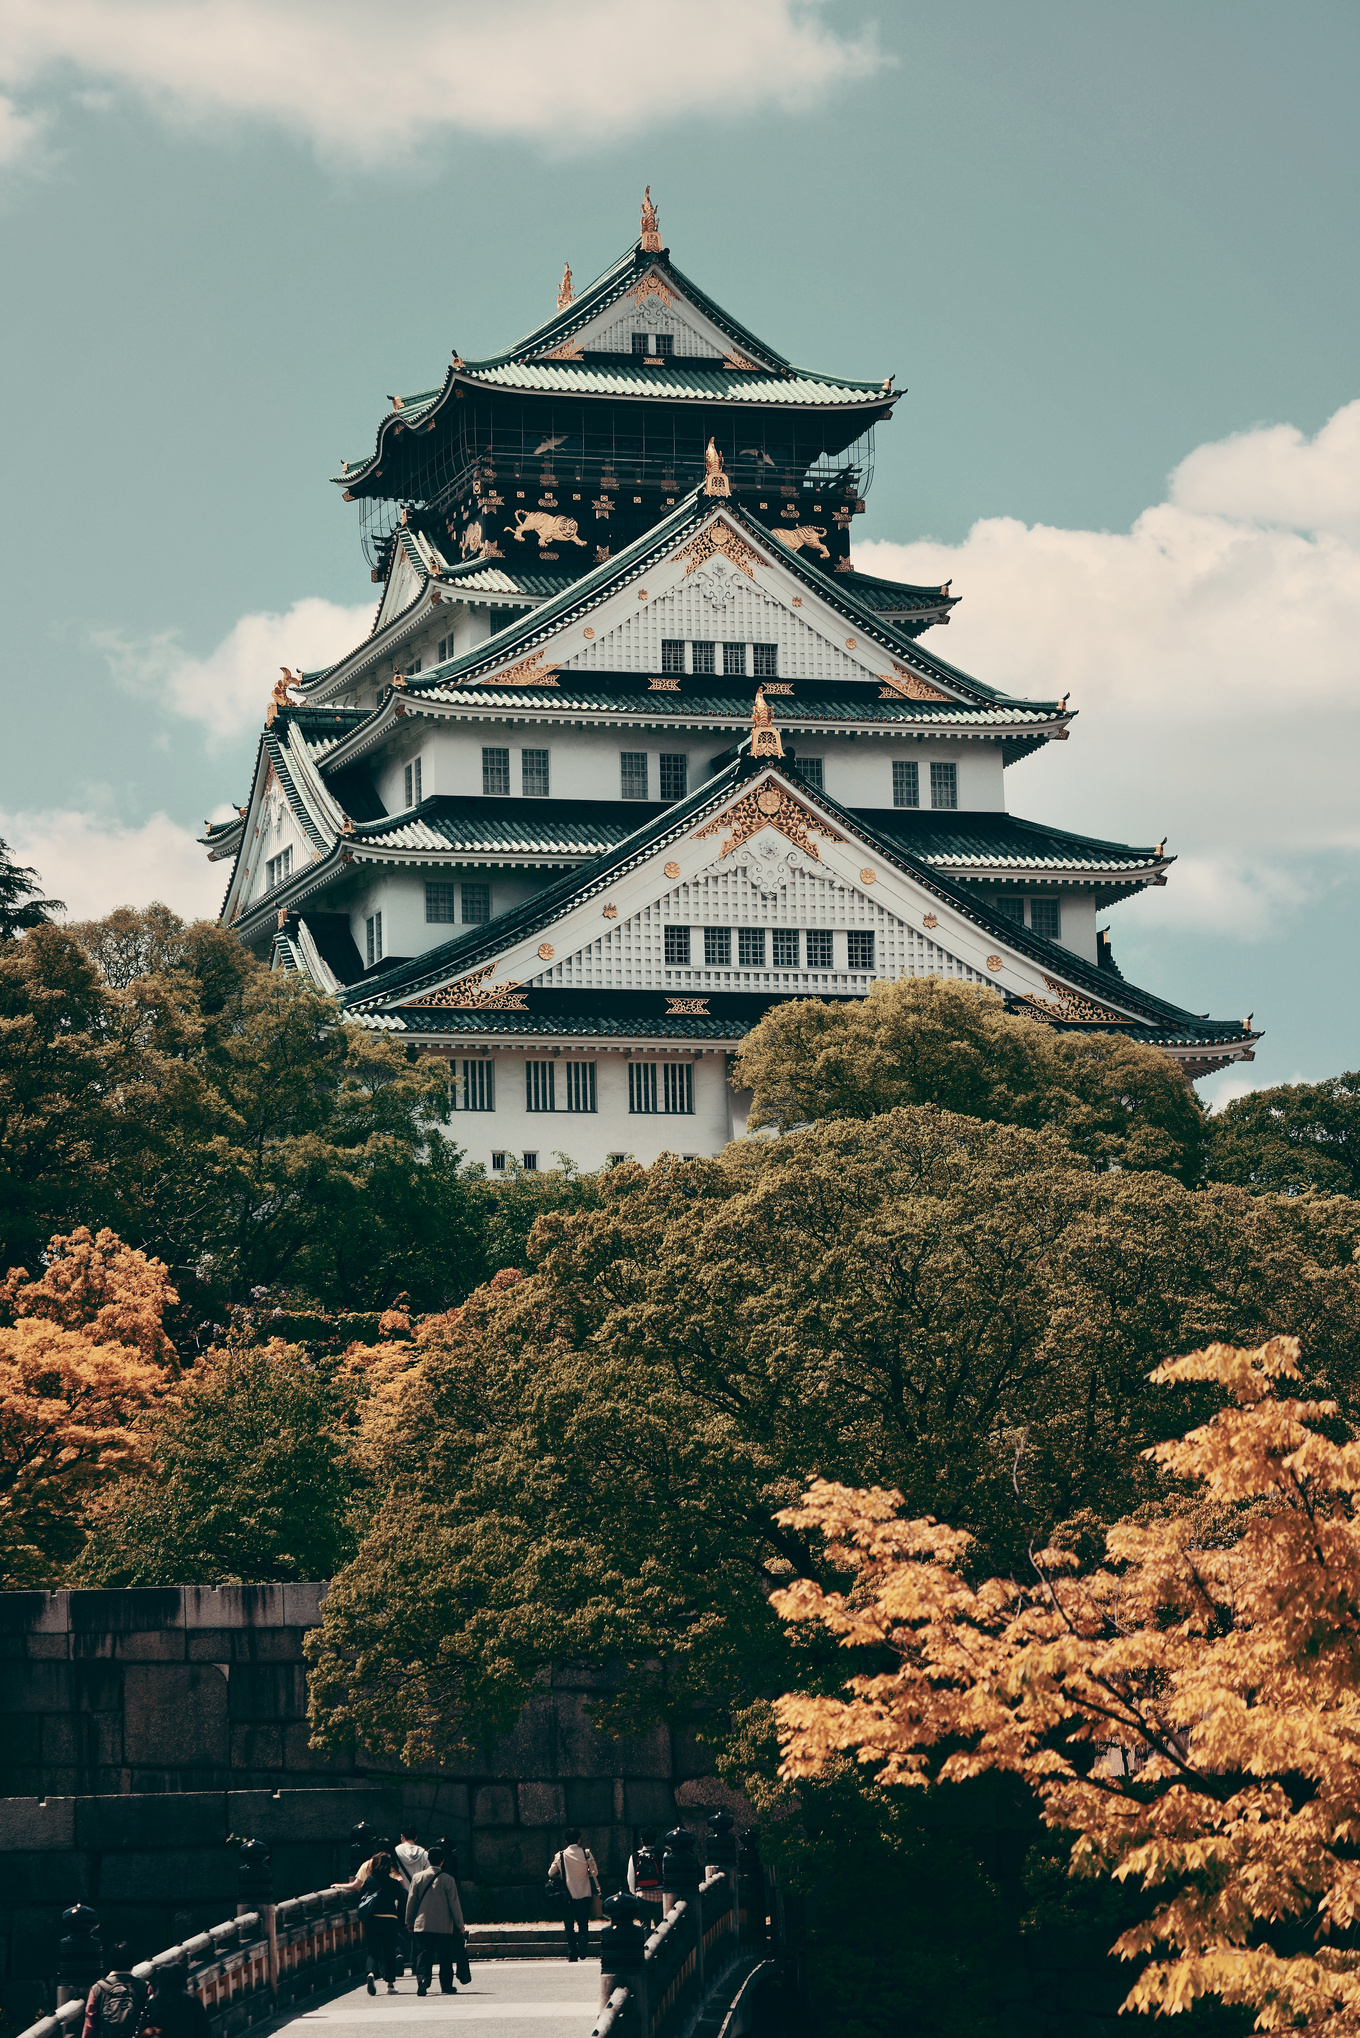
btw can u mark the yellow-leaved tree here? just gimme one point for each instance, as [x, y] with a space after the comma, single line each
[1189, 1710]
[83, 1352]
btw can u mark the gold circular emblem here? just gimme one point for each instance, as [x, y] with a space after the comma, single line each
[642, 594]
[930, 921]
[672, 870]
[587, 632]
[545, 949]
[866, 877]
[994, 962]
[851, 642]
[798, 601]
[769, 801]
[611, 912]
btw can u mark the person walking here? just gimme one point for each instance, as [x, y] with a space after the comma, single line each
[434, 1919]
[113, 2008]
[382, 1894]
[644, 1868]
[411, 1856]
[574, 1868]
[172, 2012]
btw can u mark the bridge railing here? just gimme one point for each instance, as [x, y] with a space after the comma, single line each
[654, 1984]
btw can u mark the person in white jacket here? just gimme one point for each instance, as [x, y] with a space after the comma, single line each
[574, 1868]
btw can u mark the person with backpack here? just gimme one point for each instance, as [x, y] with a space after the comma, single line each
[382, 1896]
[172, 2012]
[113, 2008]
[434, 1919]
[575, 1879]
[644, 1868]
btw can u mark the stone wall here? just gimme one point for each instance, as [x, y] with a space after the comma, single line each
[139, 1729]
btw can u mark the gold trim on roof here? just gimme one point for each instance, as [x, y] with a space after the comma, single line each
[568, 351]
[529, 672]
[719, 537]
[913, 686]
[651, 225]
[687, 1008]
[735, 360]
[1068, 1005]
[769, 805]
[474, 994]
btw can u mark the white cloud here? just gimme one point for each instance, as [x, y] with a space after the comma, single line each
[21, 136]
[229, 689]
[94, 862]
[1214, 654]
[339, 73]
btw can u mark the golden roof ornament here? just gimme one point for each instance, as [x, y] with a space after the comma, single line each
[279, 696]
[564, 294]
[715, 481]
[766, 740]
[651, 225]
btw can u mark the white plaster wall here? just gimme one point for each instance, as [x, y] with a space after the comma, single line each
[400, 897]
[589, 1138]
[1079, 923]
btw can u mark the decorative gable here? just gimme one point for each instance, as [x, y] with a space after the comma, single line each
[652, 305]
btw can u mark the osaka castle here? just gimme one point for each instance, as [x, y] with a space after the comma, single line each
[633, 749]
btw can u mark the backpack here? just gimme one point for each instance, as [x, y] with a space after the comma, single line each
[120, 2003]
[646, 1869]
[371, 1898]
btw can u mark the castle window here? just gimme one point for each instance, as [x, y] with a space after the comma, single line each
[718, 947]
[441, 904]
[677, 947]
[734, 661]
[809, 769]
[530, 1161]
[785, 942]
[674, 769]
[1045, 917]
[672, 654]
[534, 774]
[476, 905]
[642, 1087]
[373, 938]
[751, 947]
[665, 345]
[766, 661]
[906, 783]
[633, 774]
[540, 1085]
[411, 784]
[860, 949]
[642, 343]
[496, 771]
[277, 868]
[944, 785]
[677, 1086]
[704, 651]
[820, 954]
[580, 1076]
[1011, 909]
[477, 1091]
[498, 1163]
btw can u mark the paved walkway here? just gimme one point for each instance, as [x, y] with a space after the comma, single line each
[507, 1999]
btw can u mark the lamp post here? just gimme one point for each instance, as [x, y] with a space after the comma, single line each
[80, 1961]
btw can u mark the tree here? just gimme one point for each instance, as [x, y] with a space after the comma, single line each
[1296, 1137]
[954, 1309]
[1189, 1710]
[83, 1355]
[20, 907]
[927, 1040]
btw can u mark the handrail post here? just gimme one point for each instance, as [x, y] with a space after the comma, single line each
[81, 1956]
[623, 1956]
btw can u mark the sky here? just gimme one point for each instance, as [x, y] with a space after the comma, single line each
[1108, 250]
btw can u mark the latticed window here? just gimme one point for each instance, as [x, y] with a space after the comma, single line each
[534, 774]
[1011, 909]
[820, 953]
[633, 774]
[751, 947]
[412, 783]
[704, 653]
[677, 1086]
[944, 785]
[373, 938]
[642, 343]
[677, 946]
[441, 904]
[665, 344]
[580, 1082]
[476, 905]
[540, 1085]
[718, 947]
[860, 947]
[641, 1087]
[672, 654]
[809, 769]
[477, 1090]
[1045, 917]
[496, 771]
[734, 661]
[674, 770]
[765, 659]
[277, 868]
[785, 944]
[906, 783]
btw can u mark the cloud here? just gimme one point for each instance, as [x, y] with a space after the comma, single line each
[21, 136]
[1213, 652]
[331, 71]
[228, 690]
[94, 862]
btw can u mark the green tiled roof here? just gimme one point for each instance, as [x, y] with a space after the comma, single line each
[851, 703]
[887, 597]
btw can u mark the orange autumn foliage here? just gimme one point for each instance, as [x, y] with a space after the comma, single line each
[83, 1351]
[1189, 1711]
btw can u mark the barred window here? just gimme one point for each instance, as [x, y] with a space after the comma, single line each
[496, 771]
[580, 1082]
[498, 1163]
[373, 938]
[477, 1090]
[672, 654]
[540, 1086]
[277, 868]
[704, 650]
[665, 344]
[674, 769]
[1045, 917]
[633, 774]
[785, 944]
[534, 774]
[820, 952]
[944, 785]
[476, 905]
[411, 785]
[860, 948]
[441, 904]
[809, 769]
[751, 947]
[718, 947]
[766, 661]
[641, 1087]
[677, 1086]
[906, 783]
[677, 946]
[1011, 909]
[642, 343]
[734, 661]
[530, 1161]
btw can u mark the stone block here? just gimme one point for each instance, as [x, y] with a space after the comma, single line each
[494, 1805]
[34, 1613]
[21, 1737]
[256, 1744]
[582, 1751]
[689, 1755]
[234, 1606]
[704, 1794]
[511, 1857]
[298, 1815]
[50, 1877]
[138, 1645]
[418, 1799]
[57, 1646]
[591, 1802]
[175, 1715]
[542, 1804]
[268, 1691]
[244, 1645]
[34, 1938]
[48, 1686]
[29, 1823]
[186, 1875]
[299, 1754]
[589, 1676]
[531, 1750]
[649, 1803]
[126, 1610]
[24, 1779]
[139, 1822]
[301, 1866]
[451, 1801]
[302, 1603]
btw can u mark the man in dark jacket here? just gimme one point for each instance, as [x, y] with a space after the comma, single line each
[434, 1918]
[172, 2012]
[113, 2008]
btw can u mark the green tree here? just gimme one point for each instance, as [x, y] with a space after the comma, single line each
[927, 1040]
[20, 906]
[1293, 1138]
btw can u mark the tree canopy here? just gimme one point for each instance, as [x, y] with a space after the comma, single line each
[20, 906]
[1295, 1137]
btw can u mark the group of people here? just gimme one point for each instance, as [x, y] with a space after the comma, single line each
[574, 1882]
[410, 1885]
